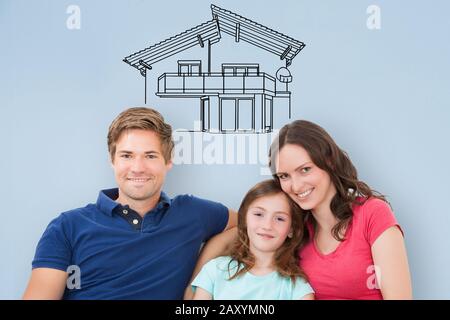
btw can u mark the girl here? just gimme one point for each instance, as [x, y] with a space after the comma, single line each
[356, 248]
[263, 263]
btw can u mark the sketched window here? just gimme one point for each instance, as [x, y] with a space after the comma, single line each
[228, 71]
[195, 70]
[184, 69]
[252, 71]
[240, 71]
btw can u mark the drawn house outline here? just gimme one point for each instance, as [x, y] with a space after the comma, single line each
[241, 87]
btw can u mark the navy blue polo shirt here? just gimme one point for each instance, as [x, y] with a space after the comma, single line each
[122, 256]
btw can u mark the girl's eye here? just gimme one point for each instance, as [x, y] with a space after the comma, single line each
[258, 214]
[281, 219]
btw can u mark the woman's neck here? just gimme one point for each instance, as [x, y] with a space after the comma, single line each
[322, 213]
[325, 220]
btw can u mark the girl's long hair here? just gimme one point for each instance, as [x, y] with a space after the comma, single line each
[326, 154]
[286, 259]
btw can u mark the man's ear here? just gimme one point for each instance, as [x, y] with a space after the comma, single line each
[169, 164]
[111, 161]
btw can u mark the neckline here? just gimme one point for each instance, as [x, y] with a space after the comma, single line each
[262, 276]
[335, 251]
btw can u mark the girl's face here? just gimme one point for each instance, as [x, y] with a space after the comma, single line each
[308, 185]
[268, 223]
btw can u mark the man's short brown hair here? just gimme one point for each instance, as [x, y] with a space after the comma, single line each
[145, 119]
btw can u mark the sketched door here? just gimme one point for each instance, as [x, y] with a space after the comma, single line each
[205, 114]
[268, 115]
[227, 114]
[245, 114]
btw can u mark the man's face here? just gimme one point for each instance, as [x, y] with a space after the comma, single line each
[139, 166]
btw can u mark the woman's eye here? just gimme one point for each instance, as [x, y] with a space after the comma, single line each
[282, 176]
[306, 169]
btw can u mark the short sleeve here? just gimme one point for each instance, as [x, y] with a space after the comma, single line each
[379, 217]
[206, 277]
[213, 216]
[301, 288]
[53, 249]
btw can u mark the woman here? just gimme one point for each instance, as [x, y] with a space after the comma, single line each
[355, 248]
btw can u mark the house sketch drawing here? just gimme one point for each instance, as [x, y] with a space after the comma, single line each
[240, 88]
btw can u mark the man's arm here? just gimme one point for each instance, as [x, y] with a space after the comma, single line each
[232, 219]
[46, 284]
[218, 245]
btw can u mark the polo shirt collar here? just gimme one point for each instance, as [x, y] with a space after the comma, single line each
[164, 200]
[105, 201]
[107, 204]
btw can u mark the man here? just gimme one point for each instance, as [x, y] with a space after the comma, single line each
[135, 242]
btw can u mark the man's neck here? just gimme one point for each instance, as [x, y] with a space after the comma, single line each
[140, 206]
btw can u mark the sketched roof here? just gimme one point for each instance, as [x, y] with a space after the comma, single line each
[254, 33]
[164, 49]
[223, 20]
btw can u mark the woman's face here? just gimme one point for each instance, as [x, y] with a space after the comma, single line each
[308, 185]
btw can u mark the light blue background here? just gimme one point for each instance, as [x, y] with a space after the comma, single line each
[383, 95]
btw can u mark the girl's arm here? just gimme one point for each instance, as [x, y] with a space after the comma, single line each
[202, 294]
[391, 265]
[309, 296]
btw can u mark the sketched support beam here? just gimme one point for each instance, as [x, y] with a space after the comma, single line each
[145, 65]
[286, 52]
[144, 73]
[200, 40]
[238, 29]
[209, 58]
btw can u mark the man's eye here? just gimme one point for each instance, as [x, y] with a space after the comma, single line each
[125, 156]
[151, 156]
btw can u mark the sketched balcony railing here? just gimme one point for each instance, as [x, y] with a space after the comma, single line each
[174, 84]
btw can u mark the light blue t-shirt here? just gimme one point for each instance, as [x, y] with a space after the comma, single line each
[214, 278]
